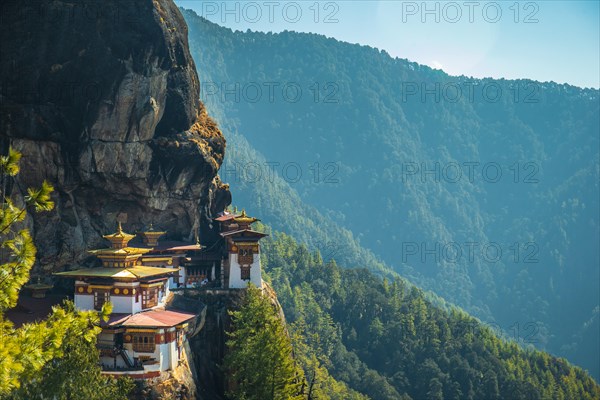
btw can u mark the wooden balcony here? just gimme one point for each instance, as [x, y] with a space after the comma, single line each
[144, 347]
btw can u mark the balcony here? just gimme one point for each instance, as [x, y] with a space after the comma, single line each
[111, 368]
[144, 347]
[107, 348]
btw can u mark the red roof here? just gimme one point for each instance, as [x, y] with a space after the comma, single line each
[151, 319]
[30, 309]
[225, 217]
[114, 320]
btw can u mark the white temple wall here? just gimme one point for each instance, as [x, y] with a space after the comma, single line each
[84, 302]
[235, 273]
[123, 304]
[165, 356]
[174, 356]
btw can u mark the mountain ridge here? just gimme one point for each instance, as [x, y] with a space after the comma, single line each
[377, 132]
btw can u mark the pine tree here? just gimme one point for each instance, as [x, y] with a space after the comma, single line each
[74, 376]
[260, 362]
[25, 351]
[320, 385]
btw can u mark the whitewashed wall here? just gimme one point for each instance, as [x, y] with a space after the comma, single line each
[235, 273]
[84, 302]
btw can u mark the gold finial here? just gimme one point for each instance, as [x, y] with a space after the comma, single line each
[119, 239]
[244, 218]
[151, 227]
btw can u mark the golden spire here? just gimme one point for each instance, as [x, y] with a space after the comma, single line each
[245, 219]
[150, 236]
[119, 239]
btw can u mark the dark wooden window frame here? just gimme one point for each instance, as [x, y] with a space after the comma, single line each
[245, 272]
[245, 255]
[101, 297]
[144, 343]
[150, 297]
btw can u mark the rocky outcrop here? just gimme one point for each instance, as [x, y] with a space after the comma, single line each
[178, 384]
[102, 99]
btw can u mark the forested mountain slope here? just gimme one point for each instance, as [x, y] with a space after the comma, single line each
[483, 191]
[384, 339]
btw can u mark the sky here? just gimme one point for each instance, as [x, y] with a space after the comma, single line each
[542, 40]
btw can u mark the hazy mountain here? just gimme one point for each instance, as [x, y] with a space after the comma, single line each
[484, 191]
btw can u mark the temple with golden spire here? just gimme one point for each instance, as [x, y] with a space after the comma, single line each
[241, 250]
[141, 338]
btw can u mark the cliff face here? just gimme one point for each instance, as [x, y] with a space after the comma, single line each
[102, 99]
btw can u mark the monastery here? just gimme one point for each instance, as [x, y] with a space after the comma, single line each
[144, 336]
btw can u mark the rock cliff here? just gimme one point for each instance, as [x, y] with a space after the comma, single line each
[102, 99]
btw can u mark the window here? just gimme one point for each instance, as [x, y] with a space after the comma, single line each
[245, 255]
[101, 297]
[150, 297]
[143, 343]
[245, 272]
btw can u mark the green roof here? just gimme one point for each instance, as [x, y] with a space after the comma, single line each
[130, 273]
